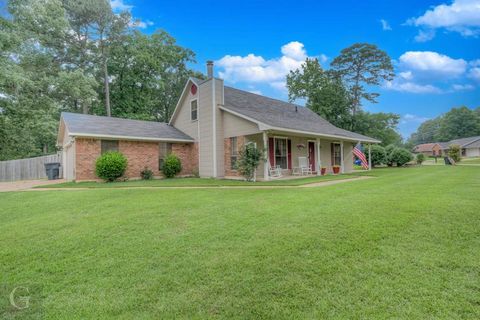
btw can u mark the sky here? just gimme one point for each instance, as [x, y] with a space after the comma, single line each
[434, 45]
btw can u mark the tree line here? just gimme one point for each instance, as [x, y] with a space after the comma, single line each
[80, 56]
[337, 94]
[457, 123]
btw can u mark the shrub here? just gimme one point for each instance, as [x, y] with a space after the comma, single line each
[388, 154]
[379, 155]
[248, 161]
[110, 166]
[420, 158]
[401, 156]
[454, 152]
[171, 166]
[146, 174]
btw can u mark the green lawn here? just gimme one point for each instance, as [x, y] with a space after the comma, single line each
[403, 245]
[470, 161]
[197, 182]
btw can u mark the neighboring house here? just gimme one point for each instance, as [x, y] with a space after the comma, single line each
[208, 128]
[470, 146]
[428, 149]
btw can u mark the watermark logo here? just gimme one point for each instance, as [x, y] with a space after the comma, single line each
[21, 301]
[20, 298]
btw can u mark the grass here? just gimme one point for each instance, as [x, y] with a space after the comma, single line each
[198, 182]
[403, 245]
[470, 161]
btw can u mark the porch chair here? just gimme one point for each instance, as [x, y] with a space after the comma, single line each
[303, 165]
[274, 172]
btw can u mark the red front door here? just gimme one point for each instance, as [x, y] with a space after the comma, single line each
[311, 155]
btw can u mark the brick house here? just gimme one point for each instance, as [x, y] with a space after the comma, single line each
[209, 126]
[429, 149]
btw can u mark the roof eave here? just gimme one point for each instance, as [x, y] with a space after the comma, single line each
[132, 138]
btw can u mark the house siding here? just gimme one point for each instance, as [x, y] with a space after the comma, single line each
[182, 120]
[234, 126]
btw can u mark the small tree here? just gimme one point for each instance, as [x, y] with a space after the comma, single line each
[420, 158]
[248, 161]
[171, 166]
[379, 156]
[110, 166]
[401, 156]
[454, 152]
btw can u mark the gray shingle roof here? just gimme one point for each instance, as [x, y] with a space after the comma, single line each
[463, 142]
[84, 124]
[281, 114]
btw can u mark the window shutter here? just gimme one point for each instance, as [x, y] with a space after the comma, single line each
[289, 153]
[271, 152]
[332, 155]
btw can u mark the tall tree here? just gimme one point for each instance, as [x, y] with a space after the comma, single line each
[382, 126]
[323, 91]
[363, 65]
[149, 73]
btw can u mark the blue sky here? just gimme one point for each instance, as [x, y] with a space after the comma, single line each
[435, 45]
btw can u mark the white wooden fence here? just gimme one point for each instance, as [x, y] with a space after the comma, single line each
[27, 169]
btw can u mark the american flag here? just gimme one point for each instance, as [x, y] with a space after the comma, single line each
[357, 151]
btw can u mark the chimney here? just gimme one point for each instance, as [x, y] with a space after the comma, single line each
[210, 69]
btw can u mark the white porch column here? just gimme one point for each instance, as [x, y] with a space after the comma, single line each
[342, 165]
[266, 156]
[319, 161]
[370, 157]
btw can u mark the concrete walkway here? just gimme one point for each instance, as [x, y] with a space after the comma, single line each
[309, 185]
[26, 185]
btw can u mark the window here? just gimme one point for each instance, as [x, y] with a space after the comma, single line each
[233, 153]
[464, 152]
[193, 110]
[164, 149]
[281, 153]
[109, 145]
[336, 157]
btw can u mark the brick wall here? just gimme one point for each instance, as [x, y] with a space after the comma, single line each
[86, 153]
[188, 154]
[139, 154]
[227, 149]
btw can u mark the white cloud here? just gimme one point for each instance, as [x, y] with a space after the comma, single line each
[411, 87]
[462, 87]
[462, 16]
[385, 25]
[256, 69]
[119, 5]
[407, 75]
[141, 24]
[474, 74]
[408, 117]
[256, 92]
[425, 35]
[433, 64]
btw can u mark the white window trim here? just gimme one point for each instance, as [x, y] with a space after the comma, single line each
[193, 120]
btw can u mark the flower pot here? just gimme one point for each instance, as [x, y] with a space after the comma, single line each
[336, 170]
[323, 171]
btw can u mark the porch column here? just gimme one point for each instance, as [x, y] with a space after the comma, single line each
[342, 166]
[266, 156]
[319, 161]
[370, 157]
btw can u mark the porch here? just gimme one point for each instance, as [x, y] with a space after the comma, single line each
[287, 150]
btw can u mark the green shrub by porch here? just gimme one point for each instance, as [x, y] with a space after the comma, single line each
[454, 152]
[400, 156]
[172, 166]
[110, 166]
[420, 158]
[379, 155]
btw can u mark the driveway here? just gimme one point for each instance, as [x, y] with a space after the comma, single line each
[25, 185]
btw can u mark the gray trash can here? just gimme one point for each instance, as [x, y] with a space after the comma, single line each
[52, 170]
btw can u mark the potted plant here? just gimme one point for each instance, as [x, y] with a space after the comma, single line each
[336, 169]
[323, 171]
